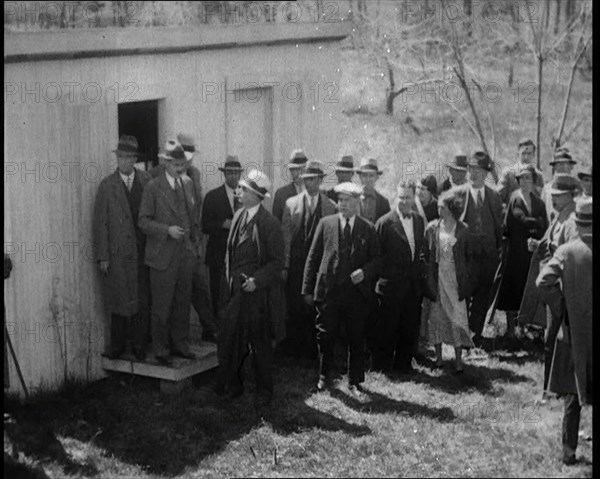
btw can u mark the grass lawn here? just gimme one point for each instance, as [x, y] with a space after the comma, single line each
[436, 423]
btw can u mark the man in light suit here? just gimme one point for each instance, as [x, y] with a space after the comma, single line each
[483, 215]
[403, 252]
[167, 217]
[338, 279]
[295, 166]
[301, 215]
[219, 206]
[121, 246]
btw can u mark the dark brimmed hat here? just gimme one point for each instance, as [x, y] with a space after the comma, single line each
[346, 163]
[481, 159]
[458, 163]
[172, 151]
[562, 155]
[585, 175]
[430, 183]
[369, 165]
[297, 159]
[232, 163]
[525, 142]
[563, 183]
[583, 211]
[127, 144]
[187, 143]
[257, 182]
[313, 168]
[348, 188]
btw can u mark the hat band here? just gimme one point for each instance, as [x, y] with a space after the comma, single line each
[345, 165]
[231, 165]
[259, 189]
[299, 161]
[189, 149]
[177, 154]
[127, 147]
[369, 167]
[314, 171]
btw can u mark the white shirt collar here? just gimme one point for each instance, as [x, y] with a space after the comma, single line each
[343, 221]
[474, 192]
[127, 177]
[170, 179]
[252, 212]
[401, 216]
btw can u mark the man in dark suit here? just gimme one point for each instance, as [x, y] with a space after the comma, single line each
[201, 299]
[166, 216]
[403, 253]
[457, 171]
[300, 219]
[338, 279]
[344, 172]
[121, 244]
[483, 215]
[219, 206]
[295, 166]
[252, 322]
[373, 205]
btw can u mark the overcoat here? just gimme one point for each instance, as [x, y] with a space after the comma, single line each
[215, 211]
[116, 242]
[281, 196]
[571, 370]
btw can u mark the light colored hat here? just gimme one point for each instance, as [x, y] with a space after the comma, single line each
[257, 182]
[232, 163]
[348, 188]
[583, 211]
[127, 144]
[187, 143]
[313, 168]
[369, 165]
[297, 159]
[563, 183]
[172, 151]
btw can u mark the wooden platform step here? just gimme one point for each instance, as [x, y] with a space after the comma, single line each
[206, 358]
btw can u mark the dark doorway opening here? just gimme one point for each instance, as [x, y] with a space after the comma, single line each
[140, 119]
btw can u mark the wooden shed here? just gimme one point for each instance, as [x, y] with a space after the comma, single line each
[256, 90]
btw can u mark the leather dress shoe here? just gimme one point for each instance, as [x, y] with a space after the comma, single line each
[164, 360]
[569, 459]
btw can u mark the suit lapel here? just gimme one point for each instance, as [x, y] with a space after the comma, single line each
[225, 199]
[119, 192]
[397, 224]
[168, 193]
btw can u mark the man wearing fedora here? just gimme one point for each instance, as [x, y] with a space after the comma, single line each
[295, 166]
[457, 171]
[565, 282]
[344, 172]
[167, 216]
[483, 215]
[217, 212]
[201, 299]
[373, 205]
[508, 180]
[586, 178]
[121, 244]
[252, 323]
[339, 275]
[563, 189]
[562, 164]
[301, 215]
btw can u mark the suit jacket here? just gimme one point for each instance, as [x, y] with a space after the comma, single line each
[195, 176]
[493, 204]
[382, 206]
[508, 182]
[159, 211]
[292, 218]
[215, 211]
[322, 264]
[281, 196]
[398, 268]
[571, 369]
[117, 242]
[266, 231]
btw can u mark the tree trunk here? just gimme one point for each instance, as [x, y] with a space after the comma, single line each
[539, 109]
[390, 97]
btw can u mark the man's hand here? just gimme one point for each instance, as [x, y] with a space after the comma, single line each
[309, 299]
[357, 276]
[176, 232]
[284, 275]
[249, 286]
[104, 267]
[227, 224]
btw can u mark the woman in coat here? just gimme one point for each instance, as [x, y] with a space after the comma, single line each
[525, 218]
[448, 282]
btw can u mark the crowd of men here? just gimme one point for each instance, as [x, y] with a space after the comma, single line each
[340, 265]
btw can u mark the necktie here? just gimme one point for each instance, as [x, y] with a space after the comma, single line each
[243, 223]
[347, 234]
[479, 198]
[129, 182]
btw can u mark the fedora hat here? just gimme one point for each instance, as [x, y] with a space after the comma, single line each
[257, 182]
[525, 142]
[481, 159]
[429, 182]
[172, 151]
[583, 175]
[459, 162]
[348, 188]
[583, 211]
[345, 163]
[232, 163]
[562, 155]
[297, 159]
[313, 168]
[563, 183]
[369, 165]
[187, 143]
[127, 144]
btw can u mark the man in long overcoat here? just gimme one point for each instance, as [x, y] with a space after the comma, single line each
[120, 245]
[571, 371]
[252, 320]
[295, 187]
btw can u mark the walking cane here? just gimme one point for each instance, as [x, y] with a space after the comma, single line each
[16, 361]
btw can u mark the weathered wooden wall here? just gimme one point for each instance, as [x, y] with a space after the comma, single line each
[58, 149]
